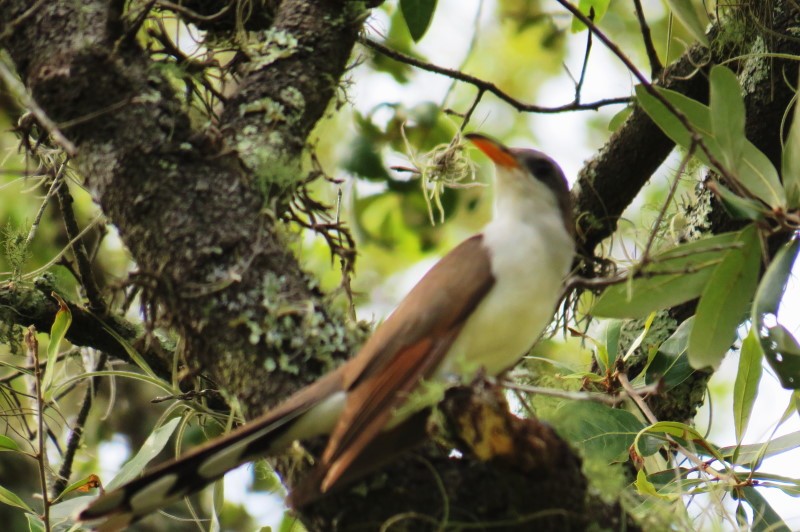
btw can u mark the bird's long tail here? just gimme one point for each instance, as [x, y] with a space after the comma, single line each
[169, 482]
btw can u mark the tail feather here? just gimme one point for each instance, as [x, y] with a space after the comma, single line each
[203, 465]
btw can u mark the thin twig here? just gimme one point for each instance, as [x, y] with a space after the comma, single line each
[651, 238]
[21, 92]
[585, 66]
[488, 86]
[476, 26]
[562, 394]
[682, 118]
[96, 303]
[633, 394]
[41, 454]
[77, 430]
[656, 68]
[38, 218]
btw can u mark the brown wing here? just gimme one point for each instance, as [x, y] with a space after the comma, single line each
[405, 349]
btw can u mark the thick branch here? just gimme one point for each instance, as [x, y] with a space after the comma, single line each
[25, 306]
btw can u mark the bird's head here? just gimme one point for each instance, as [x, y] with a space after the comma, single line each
[527, 173]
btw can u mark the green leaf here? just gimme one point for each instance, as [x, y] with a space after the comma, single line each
[783, 355]
[725, 300]
[780, 348]
[57, 333]
[607, 356]
[673, 277]
[600, 431]
[153, 445]
[699, 117]
[131, 352]
[765, 518]
[758, 175]
[594, 9]
[69, 508]
[418, 15]
[681, 431]
[10, 498]
[618, 119]
[645, 487]
[688, 14]
[7, 444]
[773, 284]
[747, 379]
[738, 208]
[727, 114]
[754, 172]
[364, 160]
[671, 364]
[790, 160]
[755, 452]
[85, 484]
[35, 524]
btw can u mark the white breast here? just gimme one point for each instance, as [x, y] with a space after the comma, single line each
[531, 255]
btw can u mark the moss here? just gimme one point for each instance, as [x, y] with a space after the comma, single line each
[16, 249]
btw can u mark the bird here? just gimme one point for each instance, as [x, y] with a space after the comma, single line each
[477, 311]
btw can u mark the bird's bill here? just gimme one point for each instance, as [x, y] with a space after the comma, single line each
[498, 153]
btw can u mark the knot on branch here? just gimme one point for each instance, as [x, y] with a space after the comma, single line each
[480, 424]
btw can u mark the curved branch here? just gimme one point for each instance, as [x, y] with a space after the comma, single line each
[487, 86]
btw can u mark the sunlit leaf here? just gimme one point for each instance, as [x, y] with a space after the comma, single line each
[153, 445]
[57, 333]
[7, 444]
[645, 487]
[679, 431]
[673, 277]
[600, 431]
[594, 9]
[747, 379]
[727, 114]
[418, 15]
[725, 301]
[694, 22]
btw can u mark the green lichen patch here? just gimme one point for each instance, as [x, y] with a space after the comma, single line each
[264, 48]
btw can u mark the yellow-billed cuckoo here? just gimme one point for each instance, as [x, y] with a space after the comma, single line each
[480, 308]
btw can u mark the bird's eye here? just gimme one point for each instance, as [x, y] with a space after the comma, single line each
[540, 169]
